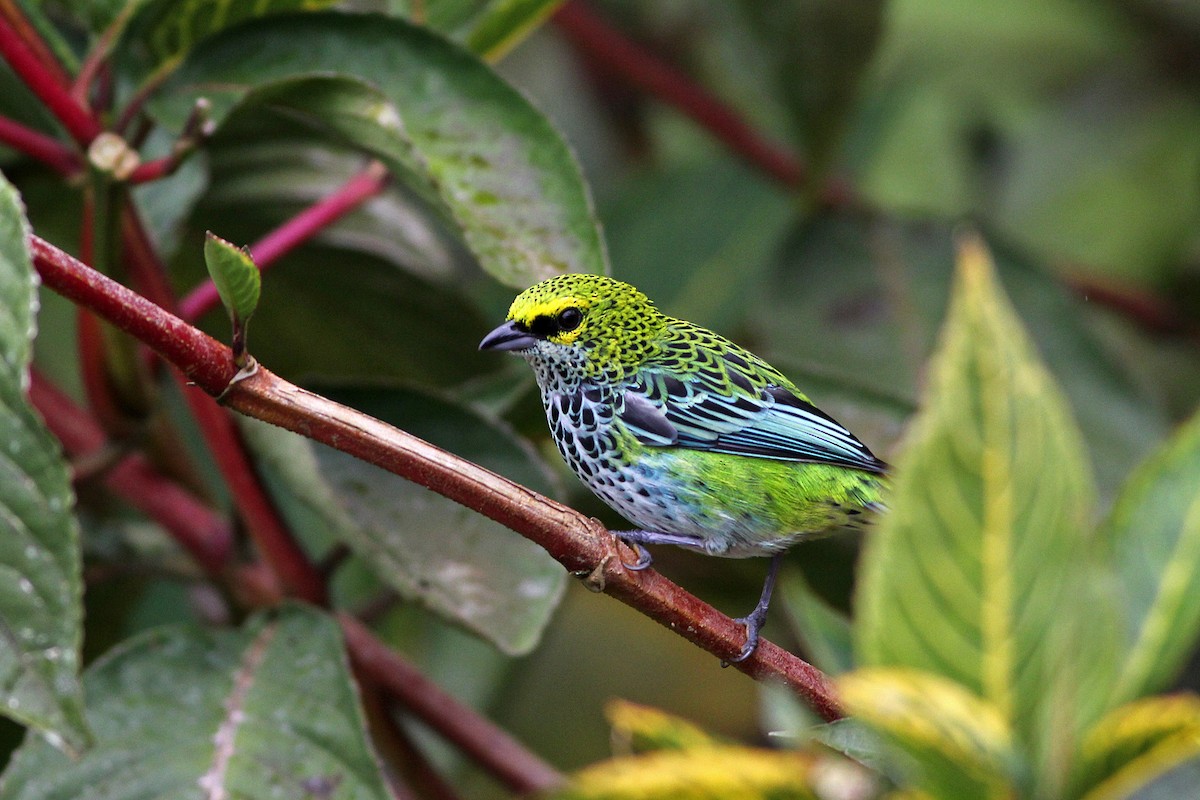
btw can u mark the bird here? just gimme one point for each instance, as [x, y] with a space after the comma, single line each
[695, 440]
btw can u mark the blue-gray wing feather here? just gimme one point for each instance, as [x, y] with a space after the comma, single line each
[769, 422]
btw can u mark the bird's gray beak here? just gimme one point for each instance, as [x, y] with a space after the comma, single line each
[508, 337]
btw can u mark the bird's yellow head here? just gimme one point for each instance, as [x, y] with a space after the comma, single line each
[580, 322]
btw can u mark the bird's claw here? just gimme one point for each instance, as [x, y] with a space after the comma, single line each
[644, 557]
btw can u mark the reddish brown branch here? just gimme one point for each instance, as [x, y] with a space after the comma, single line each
[197, 528]
[488, 744]
[26, 63]
[38, 145]
[580, 544]
[296, 231]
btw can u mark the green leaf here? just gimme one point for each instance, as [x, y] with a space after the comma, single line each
[1139, 743]
[824, 631]
[502, 24]
[1154, 534]
[977, 574]
[162, 32]
[40, 570]
[698, 238]
[958, 744]
[236, 276]
[265, 711]
[432, 112]
[461, 565]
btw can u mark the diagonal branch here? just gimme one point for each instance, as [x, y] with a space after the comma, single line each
[580, 544]
[38, 145]
[78, 121]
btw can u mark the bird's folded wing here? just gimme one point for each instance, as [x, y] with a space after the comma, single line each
[773, 422]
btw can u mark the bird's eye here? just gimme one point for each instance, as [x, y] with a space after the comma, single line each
[569, 319]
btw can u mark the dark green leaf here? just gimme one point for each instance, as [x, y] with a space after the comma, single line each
[265, 711]
[162, 32]
[40, 572]
[458, 563]
[432, 112]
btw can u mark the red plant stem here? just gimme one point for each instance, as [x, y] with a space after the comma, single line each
[38, 145]
[263, 520]
[488, 744]
[295, 232]
[29, 35]
[197, 528]
[157, 169]
[612, 51]
[82, 126]
[580, 544]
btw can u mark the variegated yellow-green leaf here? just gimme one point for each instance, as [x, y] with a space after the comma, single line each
[1138, 742]
[640, 729]
[957, 744]
[729, 773]
[1154, 533]
[41, 583]
[978, 573]
[235, 275]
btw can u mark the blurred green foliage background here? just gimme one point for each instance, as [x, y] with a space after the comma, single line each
[1065, 130]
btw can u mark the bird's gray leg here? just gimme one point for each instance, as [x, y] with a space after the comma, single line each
[637, 538]
[754, 621]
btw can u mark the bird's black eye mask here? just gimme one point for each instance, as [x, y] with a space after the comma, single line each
[544, 326]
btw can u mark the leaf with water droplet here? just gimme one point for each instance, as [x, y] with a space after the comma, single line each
[268, 710]
[41, 585]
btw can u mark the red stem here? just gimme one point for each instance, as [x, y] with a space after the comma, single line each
[78, 121]
[580, 544]
[38, 145]
[295, 232]
[491, 746]
[613, 52]
[33, 41]
[264, 522]
[197, 528]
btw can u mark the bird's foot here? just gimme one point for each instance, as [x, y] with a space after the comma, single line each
[638, 539]
[755, 619]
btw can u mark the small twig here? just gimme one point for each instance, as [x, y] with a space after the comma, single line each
[78, 121]
[199, 126]
[578, 543]
[485, 742]
[294, 232]
[38, 145]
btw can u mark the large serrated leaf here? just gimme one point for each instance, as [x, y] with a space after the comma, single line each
[265, 711]
[1139, 743]
[40, 572]
[977, 573]
[1154, 533]
[161, 32]
[432, 112]
[959, 745]
[463, 566]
